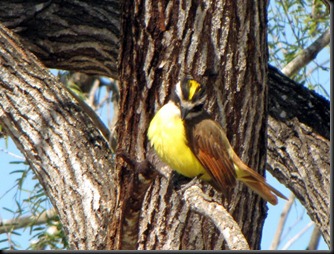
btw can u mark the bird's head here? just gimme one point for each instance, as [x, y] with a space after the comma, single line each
[189, 96]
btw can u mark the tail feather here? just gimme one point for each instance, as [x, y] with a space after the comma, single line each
[264, 190]
[256, 182]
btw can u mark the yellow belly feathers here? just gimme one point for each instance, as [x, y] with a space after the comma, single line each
[167, 135]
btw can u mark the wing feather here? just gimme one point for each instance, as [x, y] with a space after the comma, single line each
[208, 142]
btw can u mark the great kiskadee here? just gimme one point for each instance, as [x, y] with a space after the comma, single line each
[186, 138]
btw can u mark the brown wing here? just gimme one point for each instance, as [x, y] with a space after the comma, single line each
[210, 145]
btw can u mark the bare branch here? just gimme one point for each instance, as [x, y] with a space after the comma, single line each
[307, 55]
[281, 223]
[296, 237]
[22, 222]
[315, 237]
[203, 204]
[91, 94]
[114, 87]
[11, 154]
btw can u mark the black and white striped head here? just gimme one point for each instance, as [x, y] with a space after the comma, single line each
[190, 96]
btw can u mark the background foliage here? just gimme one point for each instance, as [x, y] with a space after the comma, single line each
[292, 26]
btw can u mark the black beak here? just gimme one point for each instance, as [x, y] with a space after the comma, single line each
[184, 113]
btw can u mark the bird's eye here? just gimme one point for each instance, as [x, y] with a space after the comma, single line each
[197, 108]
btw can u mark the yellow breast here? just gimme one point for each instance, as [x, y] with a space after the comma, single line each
[167, 135]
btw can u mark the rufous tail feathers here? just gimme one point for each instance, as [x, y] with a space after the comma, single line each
[256, 182]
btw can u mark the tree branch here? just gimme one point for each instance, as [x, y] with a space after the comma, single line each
[203, 204]
[43, 118]
[307, 55]
[68, 34]
[314, 241]
[298, 145]
[281, 223]
[288, 99]
[22, 222]
[293, 239]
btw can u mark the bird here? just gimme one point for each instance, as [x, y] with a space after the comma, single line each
[192, 143]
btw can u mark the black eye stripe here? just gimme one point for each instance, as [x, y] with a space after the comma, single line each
[185, 90]
[197, 108]
[199, 94]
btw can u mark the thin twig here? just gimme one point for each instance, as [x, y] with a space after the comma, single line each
[115, 101]
[290, 22]
[297, 236]
[22, 222]
[12, 154]
[281, 223]
[317, 66]
[91, 96]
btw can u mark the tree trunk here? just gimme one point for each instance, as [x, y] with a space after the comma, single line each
[225, 41]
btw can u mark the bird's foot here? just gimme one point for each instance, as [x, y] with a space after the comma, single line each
[181, 183]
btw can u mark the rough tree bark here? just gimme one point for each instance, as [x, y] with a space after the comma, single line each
[61, 143]
[162, 41]
[58, 35]
[88, 32]
[298, 145]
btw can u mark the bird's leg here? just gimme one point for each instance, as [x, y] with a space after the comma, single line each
[181, 183]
